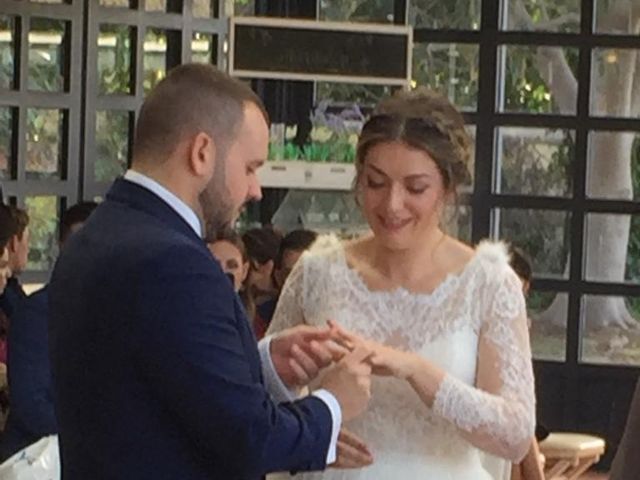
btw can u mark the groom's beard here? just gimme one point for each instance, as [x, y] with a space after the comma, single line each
[217, 212]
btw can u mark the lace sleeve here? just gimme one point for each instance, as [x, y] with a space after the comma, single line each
[498, 414]
[289, 311]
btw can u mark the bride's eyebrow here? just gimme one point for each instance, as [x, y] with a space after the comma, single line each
[419, 176]
[377, 170]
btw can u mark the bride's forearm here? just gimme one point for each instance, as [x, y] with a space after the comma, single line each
[425, 378]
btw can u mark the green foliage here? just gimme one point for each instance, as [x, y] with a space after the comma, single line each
[112, 144]
[633, 253]
[114, 64]
[450, 69]
[356, 10]
[525, 90]
[545, 14]
[244, 7]
[43, 224]
[6, 53]
[459, 14]
[6, 122]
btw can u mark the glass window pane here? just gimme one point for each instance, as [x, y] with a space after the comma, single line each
[157, 46]
[43, 228]
[112, 144]
[380, 11]
[543, 235]
[48, 47]
[613, 165]
[461, 14]
[615, 17]
[169, 6]
[205, 8]
[7, 51]
[556, 16]
[44, 143]
[610, 333]
[535, 161]
[7, 116]
[116, 3]
[349, 93]
[449, 68]
[114, 59]
[539, 79]
[467, 188]
[548, 319]
[204, 48]
[240, 8]
[612, 248]
[457, 222]
[613, 90]
[155, 5]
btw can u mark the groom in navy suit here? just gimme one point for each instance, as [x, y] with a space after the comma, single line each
[157, 374]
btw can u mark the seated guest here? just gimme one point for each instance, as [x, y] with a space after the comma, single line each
[18, 255]
[291, 248]
[8, 229]
[32, 415]
[230, 252]
[262, 246]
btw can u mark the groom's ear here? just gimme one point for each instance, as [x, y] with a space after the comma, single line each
[202, 156]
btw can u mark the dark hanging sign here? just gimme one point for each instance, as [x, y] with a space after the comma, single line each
[320, 51]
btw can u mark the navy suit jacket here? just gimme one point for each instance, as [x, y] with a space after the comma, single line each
[12, 296]
[32, 414]
[156, 371]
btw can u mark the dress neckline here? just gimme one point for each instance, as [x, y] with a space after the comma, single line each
[451, 280]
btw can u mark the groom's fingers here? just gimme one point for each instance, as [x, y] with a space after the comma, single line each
[301, 375]
[321, 353]
[305, 361]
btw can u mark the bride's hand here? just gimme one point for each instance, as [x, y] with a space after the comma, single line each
[392, 362]
[385, 360]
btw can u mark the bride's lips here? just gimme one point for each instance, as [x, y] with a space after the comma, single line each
[395, 224]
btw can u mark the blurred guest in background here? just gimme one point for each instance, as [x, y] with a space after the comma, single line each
[291, 248]
[18, 247]
[8, 229]
[229, 250]
[262, 246]
[32, 414]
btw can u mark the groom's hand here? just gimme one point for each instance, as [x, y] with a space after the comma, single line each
[350, 382]
[352, 452]
[299, 353]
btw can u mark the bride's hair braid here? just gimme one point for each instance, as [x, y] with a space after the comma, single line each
[425, 120]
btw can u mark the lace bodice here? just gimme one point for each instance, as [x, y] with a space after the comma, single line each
[473, 326]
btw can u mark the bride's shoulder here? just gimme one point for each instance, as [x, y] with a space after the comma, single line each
[495, 258]
[327, 249]
[493, 253]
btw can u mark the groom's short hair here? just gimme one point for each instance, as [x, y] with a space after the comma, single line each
[192, 98]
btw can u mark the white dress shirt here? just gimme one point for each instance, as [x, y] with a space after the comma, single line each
[276, 388]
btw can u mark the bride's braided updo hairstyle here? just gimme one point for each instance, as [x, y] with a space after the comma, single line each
[424, 120]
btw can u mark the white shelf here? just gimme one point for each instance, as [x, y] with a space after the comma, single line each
[307, 175]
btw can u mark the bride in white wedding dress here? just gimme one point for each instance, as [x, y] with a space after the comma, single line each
[454, 399]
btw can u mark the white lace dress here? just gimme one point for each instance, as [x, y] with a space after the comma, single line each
[473, 326]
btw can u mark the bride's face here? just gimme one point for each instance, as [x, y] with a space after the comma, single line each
[402, 194]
